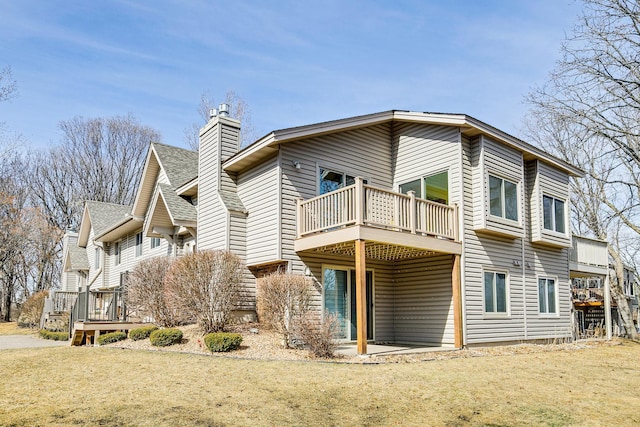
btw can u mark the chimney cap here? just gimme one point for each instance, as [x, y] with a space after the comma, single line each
[212, 113]
[223, 110]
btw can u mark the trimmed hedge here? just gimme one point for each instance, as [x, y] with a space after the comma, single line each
[142, 333]
[56, 336]
[222, 341]
[111, 337]
[165, 337]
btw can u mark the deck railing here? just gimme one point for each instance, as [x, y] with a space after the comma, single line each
[588, 251]
[361, 204]
[99, 306]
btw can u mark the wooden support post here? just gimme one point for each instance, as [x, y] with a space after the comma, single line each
[412, 211]
[361, 296]
[457, 301]
[359, 201]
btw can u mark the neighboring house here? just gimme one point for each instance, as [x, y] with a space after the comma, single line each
[596, 312]
[422, 228]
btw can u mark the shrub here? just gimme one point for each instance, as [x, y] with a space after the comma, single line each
[320, 335]
[55, 336]
[31, 310]
[165, 337]
[59, 325]
[222, 341]
[205, 285]
[111, 337]
[142, 333]
[282, 300]
[146, 291]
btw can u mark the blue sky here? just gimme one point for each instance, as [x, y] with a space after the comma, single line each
[293, 62]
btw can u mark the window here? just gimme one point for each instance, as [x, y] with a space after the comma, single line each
[495, 292]
[432, 187]
[503, 198]
[138, 244]
[155, 242]
[96, 261]
[553, 211]
[331, 180]
[547, 296]
[117, 250]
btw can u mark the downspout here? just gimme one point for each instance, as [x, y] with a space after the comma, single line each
[524, 290]
[99, 272]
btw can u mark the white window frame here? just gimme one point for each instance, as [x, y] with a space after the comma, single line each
[507, 296]
[96, 261]
[503, 216]
[553, 216]
[117, 252]
[556, 301]
[139, 244]
[154, 240]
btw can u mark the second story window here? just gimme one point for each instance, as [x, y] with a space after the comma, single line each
[155, 242]
[553, 211]
[96, 261]
[331, 180]
[503, 198]
[432, 187]
[117, 250]
[139, 244]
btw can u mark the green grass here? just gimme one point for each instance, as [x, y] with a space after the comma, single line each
[112, 387]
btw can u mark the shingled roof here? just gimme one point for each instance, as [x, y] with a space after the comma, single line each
[76, 259]
[105, 215]
[180, 165]
[179, 209]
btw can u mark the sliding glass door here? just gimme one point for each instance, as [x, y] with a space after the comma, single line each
[340, 299]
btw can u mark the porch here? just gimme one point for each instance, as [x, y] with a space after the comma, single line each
[365, 223]
[98, 311]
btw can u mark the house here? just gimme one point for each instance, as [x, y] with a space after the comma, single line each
[421, 228]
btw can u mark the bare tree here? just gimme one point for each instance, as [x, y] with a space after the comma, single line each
[589, 114]
[205, 286]
[239, 110]
[8, 85]
[98, 159]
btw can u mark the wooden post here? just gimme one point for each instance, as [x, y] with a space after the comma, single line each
[607, 306]
[361, 296]
[359, 200]
[300, 217]
[457, 301]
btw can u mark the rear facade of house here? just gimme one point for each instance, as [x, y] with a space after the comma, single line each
[433, 229]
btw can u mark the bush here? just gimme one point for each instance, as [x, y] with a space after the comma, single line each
[142, 333]
[205, 285]
[59, 325]
[111, 337]
[165, 337]
[282, 300]
[55, 336]
[31, 310]
[222, 341]
[320, 335]
[146, 291]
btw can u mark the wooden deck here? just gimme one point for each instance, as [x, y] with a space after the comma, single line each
[88, 332]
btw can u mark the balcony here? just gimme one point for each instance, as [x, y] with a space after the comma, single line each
[395, 225]
[588, 257]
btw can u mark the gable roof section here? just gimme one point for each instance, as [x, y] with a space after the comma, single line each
[76, 259]
[179, 166]
[268, 145]
[169, 210]
[100, 217]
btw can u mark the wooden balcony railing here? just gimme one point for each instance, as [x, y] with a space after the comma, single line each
[361, 204]
[588, 251]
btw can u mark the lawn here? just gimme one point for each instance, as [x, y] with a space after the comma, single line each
[108, 386]
[11, 328]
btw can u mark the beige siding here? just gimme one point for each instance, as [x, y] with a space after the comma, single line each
[212, 214]
[361, 152]
[550, 182]
[229, 146]
[423, 306]
[258, 190]
[95, 276]
[493, 158]
[237, 245]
